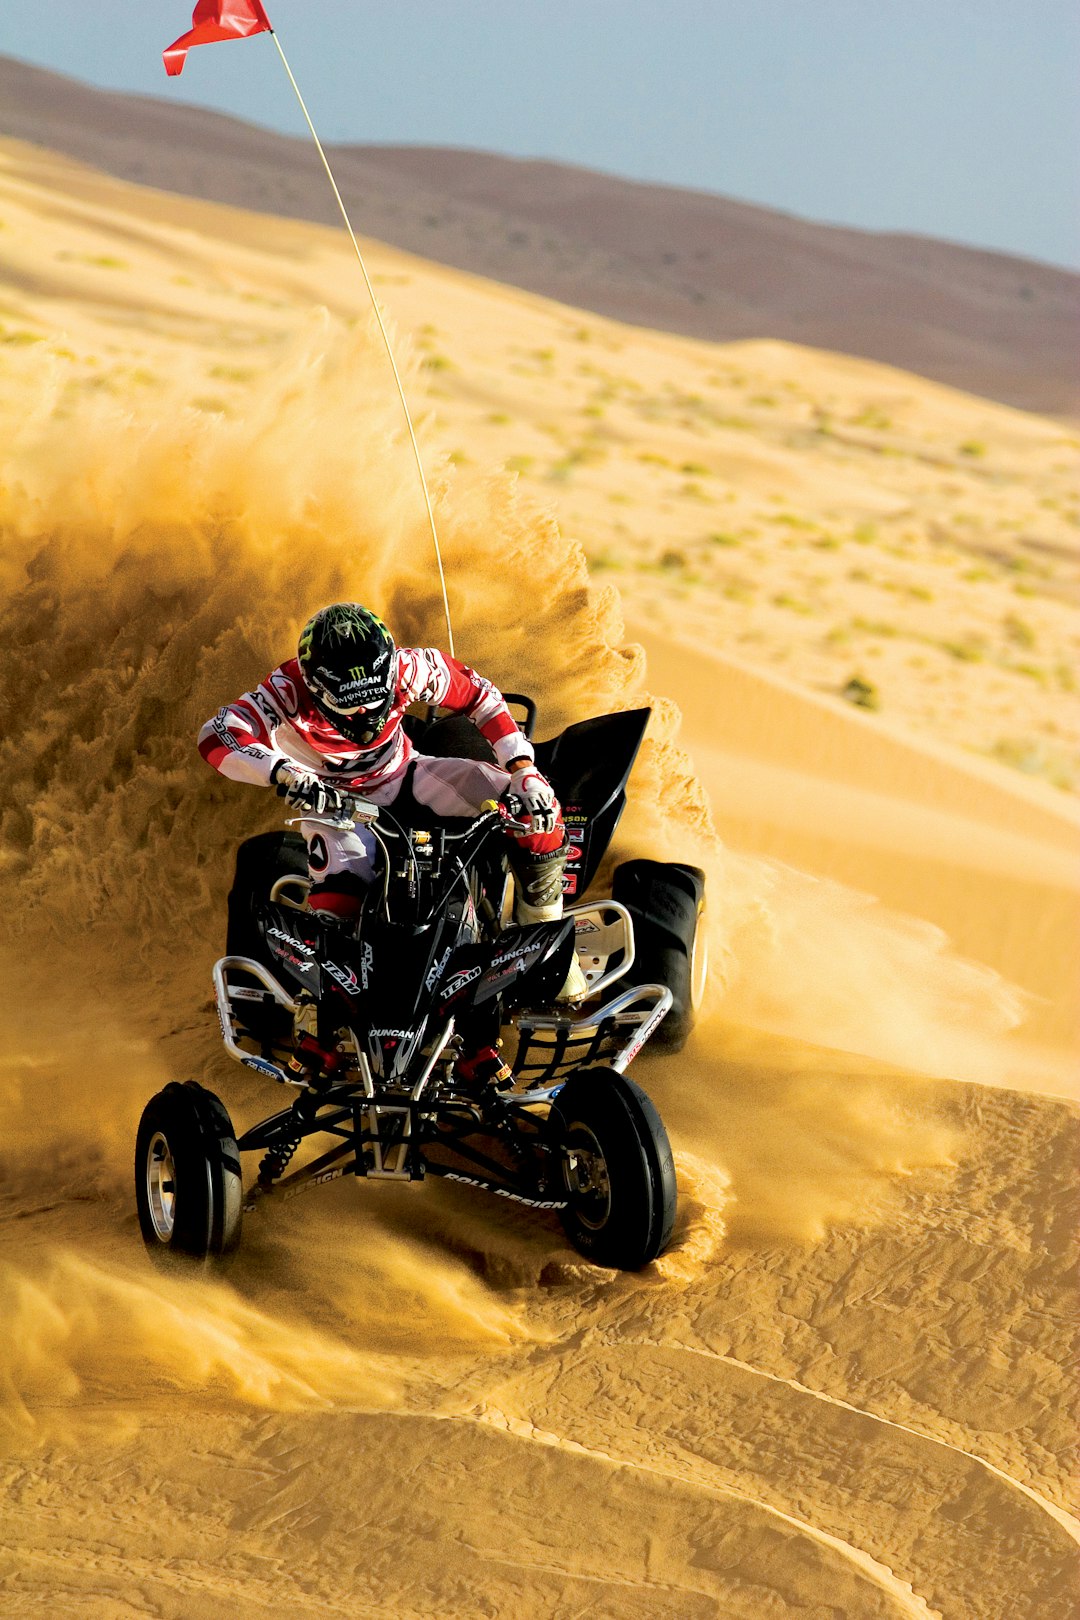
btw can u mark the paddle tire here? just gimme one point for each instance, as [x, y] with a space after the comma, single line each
[667, 903]
[188, 1186]
[260, 861]
[615, 1168]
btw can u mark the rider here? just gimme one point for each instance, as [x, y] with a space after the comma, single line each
[327, 723]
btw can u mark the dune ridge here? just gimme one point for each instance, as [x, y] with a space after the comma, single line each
[659, 256]
[825, 1395]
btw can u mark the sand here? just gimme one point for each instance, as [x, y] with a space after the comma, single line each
[848, 1389]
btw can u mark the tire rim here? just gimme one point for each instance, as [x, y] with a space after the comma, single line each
[161, 1187]
[585, 1173]
[699, 961]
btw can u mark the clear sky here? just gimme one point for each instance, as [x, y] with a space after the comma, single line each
[955, 118]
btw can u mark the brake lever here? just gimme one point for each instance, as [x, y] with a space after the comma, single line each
[502, 810]
[361, 813]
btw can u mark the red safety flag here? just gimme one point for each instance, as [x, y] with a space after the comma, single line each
[213, 20]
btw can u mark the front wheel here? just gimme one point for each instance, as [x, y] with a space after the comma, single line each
[616, 1169]
[188, 1187]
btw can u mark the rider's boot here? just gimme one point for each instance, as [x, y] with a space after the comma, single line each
[538, 897]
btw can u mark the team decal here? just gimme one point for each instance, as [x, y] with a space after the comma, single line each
[285, 692]
[266, 708]
[436, 969]
[344, 976]
[332, 1174]
[261, 1065]
[657, 1016]
[301, 945]
[318, 854]
[504, 1192]
[459, 980]
[229, 739]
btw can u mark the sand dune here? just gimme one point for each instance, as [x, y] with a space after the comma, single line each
[847, 1389]
[990, 861]
[659, 256]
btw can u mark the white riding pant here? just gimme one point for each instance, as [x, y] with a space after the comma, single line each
[449, 787]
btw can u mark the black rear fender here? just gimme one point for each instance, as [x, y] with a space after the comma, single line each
[589, 765]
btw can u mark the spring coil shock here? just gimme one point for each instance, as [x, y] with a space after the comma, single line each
[275, 1161]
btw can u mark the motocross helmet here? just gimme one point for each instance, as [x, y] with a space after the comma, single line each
[348, 660]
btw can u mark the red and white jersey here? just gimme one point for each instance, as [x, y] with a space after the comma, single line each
[279, 721]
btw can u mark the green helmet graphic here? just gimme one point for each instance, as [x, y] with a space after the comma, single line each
[349, 663]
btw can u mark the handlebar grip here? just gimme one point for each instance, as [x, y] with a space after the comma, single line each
[496, 807]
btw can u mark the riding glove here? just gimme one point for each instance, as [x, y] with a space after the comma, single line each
[537, 797]
[306, 791]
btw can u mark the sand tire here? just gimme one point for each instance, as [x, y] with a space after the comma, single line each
[615, 1167]
[188, 1181]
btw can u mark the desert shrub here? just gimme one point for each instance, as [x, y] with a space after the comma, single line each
[1034, 759]
[874, 627]
[871, 417]
[863, 693]
[969, 651]
[1019, 632]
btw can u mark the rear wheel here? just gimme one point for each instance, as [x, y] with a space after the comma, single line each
[616, 1168]
[188, 1187]
[260, 862]
[667, 903]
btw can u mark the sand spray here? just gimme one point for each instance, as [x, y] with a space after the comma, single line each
[158, 560]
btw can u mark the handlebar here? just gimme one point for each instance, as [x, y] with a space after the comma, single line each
[509, 820]
[363, 813]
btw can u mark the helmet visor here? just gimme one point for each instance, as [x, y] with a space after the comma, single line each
[360, 722]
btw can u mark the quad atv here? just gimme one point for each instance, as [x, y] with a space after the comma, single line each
[427, 1040]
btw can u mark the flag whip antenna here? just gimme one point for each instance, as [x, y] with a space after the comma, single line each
[385, 338]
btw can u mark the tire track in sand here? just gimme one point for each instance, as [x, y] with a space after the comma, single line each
[1060, 1515]
[957, 1527]
[908, 1603]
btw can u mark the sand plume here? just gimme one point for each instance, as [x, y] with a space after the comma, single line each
[159, 561]
[418, 1398]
